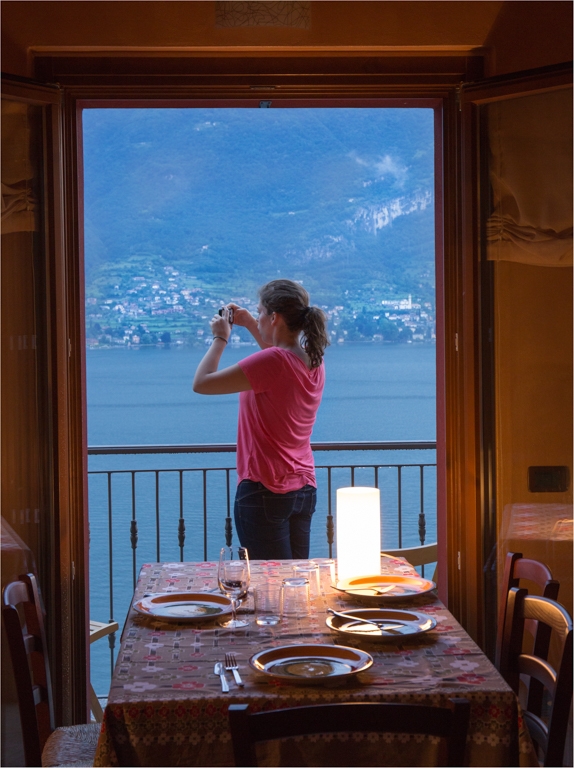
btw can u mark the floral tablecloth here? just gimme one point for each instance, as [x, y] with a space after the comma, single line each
[166, 707]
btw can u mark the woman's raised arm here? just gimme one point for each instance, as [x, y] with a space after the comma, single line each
[208, 380]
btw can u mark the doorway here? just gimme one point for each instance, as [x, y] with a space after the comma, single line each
[187, 209]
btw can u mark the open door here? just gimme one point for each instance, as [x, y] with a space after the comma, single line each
[40, 531]
[517, 154]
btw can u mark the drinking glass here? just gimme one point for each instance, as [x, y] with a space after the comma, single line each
[268, 603]
[326, 574]
[308, 569]
[295, 597]
[233, 577]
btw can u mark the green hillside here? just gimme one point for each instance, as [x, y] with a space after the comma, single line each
[341, 199]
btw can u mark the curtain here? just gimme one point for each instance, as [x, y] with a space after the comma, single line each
[19, 203]
[531, 179]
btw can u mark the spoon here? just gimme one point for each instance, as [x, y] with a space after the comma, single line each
[379, 623]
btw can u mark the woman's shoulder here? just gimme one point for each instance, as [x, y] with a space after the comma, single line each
[279, 357]
[263, 358]
[269, 353]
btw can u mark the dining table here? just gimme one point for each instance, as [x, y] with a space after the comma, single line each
[166, 706]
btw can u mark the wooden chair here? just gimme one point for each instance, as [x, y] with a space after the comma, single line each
[99, 629]
[43, 744]
[423, 555]
[549, 734]
[518, 569]
[449, 722]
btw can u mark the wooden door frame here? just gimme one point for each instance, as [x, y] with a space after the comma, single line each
[88, 79]
[480, 330]
[61, 449]
[77, 97]
[463, 481]
[444, 102]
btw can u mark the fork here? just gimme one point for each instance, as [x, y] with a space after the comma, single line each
[231, 666]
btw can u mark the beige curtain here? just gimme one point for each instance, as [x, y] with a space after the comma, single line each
[19, 205]
[531, 179]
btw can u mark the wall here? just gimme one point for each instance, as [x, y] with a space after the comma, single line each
[527, 35]
[534, 411]
[531, 181]
[517, 35]
[534, 382]
[431, 26]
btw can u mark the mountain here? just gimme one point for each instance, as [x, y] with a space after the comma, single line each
[341, 199]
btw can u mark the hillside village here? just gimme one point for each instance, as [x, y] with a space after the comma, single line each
[180, 220]
[148, 303]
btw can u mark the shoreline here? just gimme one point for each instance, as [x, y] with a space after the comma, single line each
[183, 345]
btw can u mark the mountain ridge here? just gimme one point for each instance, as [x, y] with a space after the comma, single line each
[340, 199]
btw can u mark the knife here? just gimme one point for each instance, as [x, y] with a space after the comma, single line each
[384, 626]
[218, 670]
[381, 590]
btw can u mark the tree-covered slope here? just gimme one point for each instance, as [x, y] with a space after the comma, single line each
[341, 199]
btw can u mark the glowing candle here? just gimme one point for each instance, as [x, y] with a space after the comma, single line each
[358, 532]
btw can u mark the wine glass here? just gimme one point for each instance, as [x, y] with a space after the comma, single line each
[233, 577]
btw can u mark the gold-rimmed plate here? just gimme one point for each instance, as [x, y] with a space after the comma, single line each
[183, 606]
[380, 589]
[311, 664]
[388, 625]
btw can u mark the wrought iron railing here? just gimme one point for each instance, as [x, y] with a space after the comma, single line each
[151, 498]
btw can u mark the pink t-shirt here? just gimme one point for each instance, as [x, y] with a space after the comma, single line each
[276, 419]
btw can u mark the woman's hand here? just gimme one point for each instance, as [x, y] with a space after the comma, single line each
[243, 317]
[220, 326]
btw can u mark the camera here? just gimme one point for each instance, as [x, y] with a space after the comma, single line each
[222, 312]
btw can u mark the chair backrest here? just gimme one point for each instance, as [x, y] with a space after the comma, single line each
[550, 733]
[423, 555]
[24, 625]
[518, 569]
[450, 722]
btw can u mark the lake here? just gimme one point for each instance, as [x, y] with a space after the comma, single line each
[372, 392]
[139, 396]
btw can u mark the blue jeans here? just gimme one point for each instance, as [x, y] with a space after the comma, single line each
[274, 526]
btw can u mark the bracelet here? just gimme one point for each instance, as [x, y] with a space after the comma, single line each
[220, 337]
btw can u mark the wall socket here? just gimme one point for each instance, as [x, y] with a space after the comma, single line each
[548, 479]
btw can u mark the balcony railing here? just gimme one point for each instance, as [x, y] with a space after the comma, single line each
[184, 512]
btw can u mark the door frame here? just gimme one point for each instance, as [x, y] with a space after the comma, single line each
[444, 103]
[444, 100]
[285, 101]
[60, 449]
[88, 78]
[477, 569]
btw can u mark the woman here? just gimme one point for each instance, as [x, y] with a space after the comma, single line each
[281, 388]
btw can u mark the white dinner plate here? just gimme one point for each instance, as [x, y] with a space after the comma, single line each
[393, 626]
[310, 664]
[183, 606]
[365, 588]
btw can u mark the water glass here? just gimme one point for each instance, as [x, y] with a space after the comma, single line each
[295, 597]
[327, 575]
[308, 569]
[268, 603]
